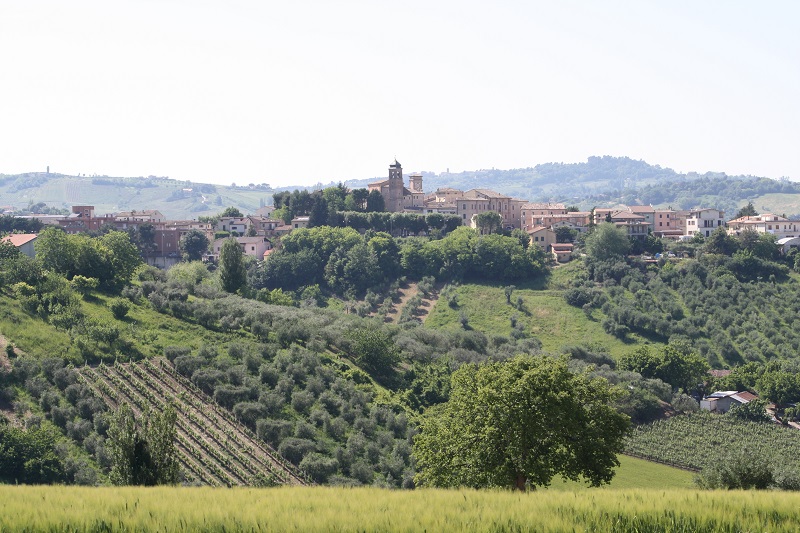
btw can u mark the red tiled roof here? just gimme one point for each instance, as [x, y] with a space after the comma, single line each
[18, 239]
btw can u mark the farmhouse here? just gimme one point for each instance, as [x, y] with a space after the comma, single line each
[722, 401]
[23, 242]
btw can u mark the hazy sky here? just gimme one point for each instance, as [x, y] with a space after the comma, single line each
[296, 92]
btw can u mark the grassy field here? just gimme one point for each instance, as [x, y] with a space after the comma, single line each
[545, 315]
[636, 473]
[367, 509]
[780, 204]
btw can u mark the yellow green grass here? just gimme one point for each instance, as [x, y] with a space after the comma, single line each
[315, 509]
[545, 316]
[636, 473]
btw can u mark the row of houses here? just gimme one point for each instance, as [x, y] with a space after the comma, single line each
[255, 233]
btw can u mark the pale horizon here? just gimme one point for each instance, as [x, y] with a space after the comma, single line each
[313, 92]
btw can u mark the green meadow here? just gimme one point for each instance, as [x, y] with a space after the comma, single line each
[317, 509]
[544, 314]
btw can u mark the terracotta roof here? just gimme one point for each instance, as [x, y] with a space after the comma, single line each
[472, 193]
[536, 229]
[759, 219]
[571, 214]
[532, 205]
[625, 215]
[641, 208]
[18, 239]
[745, 397]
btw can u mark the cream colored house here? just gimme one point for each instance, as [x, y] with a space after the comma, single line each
[543, 237]
[776, 225]
[703, 221]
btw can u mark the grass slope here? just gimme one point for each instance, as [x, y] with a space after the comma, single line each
[636, 473]
[369, 509]
[545, 314]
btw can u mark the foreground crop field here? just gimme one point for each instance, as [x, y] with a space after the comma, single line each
[337, 509]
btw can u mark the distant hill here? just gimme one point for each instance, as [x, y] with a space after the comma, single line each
[176, 199]
[598, 182]
[607, 181]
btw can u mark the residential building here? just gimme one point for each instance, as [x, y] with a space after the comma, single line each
[149, 215]
[537, 214]
[23, 242]
[776, 225]
[562, 251]
[645, 211]
[543, 237]
[251, 246]
[666, 223]
[703, 221]
[299, 222]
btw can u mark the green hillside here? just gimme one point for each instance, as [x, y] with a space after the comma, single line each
[175, 199]
[544, 315]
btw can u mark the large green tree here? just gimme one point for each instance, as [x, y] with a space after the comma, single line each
[519, 423]
[606, 242]
[193, 244]
[488, 222]
[232, 272]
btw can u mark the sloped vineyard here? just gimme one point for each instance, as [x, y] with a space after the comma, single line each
[215, 449]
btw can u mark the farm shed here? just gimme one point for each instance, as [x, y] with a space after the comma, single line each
[721, 401]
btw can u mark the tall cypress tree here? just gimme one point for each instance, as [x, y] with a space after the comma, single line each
[232, 273]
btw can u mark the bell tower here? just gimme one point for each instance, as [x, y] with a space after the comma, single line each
[394, 202]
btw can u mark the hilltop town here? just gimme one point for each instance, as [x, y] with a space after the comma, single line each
[552, 226]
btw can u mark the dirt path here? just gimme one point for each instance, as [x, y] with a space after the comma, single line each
[406, 294]
[5, 364]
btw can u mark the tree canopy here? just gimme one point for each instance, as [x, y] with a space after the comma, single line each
[606, 242]
[232, 272]
[675, 364]
[110, 258]
[144, 455]
[518, 423]
[193, 244]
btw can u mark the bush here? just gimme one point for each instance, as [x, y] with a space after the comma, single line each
[119, 307]
[319, 467]
[742, 469]
[295, 449]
